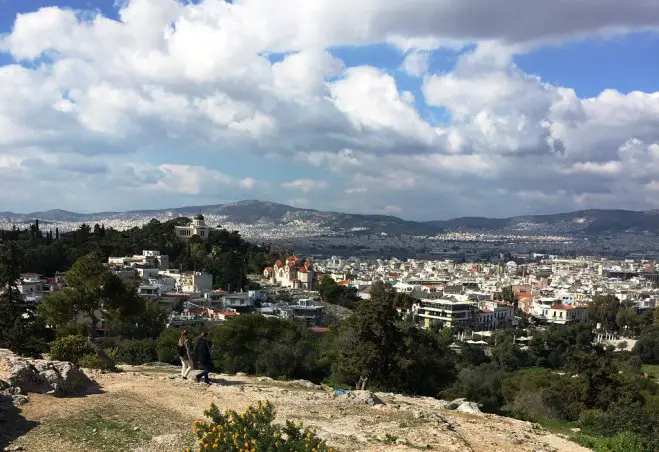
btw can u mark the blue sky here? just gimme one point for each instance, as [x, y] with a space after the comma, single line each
[456, 136]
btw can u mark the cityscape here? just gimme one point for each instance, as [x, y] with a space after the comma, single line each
[329, 226]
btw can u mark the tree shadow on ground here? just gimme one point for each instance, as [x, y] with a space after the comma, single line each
[12, 423]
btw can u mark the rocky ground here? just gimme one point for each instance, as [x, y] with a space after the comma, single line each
[150, 408]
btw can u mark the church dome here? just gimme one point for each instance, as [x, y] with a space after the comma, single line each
[199, 217]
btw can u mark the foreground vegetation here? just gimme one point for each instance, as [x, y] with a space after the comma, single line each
[254, 430]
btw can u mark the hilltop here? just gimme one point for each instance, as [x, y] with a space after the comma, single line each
[149, 408]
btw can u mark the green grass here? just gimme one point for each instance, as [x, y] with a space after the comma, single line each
[559, 426]
[651, 369]
[120, 424]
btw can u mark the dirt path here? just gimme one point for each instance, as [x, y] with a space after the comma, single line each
[152, 409]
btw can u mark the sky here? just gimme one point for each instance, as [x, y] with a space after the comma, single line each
[424, 109]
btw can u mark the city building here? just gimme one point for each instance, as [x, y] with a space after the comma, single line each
[190, 282]
[147, 260]
[296, 273]
[196, 227]
[457, 315]
[305, 312]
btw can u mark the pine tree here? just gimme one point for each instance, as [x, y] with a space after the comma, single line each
[20, 329]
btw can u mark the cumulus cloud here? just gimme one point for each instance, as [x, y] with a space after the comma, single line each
[416, 63]
[98, 113]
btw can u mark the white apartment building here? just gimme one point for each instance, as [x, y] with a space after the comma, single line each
[494, 315]
[447, 313]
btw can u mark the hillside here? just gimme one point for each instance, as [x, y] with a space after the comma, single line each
[274, 215]
[151, 409]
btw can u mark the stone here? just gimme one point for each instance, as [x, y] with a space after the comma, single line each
[454, 404]
[442, 404]
[366, 398]
[469, 407]
[241, 374]
[58, 378]
[20, 400]
[265, 379]
[306, 384]
[402, 441]
[575, 429]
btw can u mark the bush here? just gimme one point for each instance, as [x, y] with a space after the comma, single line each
[167, 354]
[167, 344]
[92, 361]
[70, 348]
[623, 442]
[137, 351]
[253, 430]
[72, 329]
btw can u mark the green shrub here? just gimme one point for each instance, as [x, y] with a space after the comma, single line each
[70, 348]
[167, 345]
[71, 329]
[167, 354]
[92, 361]
[623, 442]
[253, 430]
[137, 351]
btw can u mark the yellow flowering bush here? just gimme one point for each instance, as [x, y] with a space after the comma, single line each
[253, 430]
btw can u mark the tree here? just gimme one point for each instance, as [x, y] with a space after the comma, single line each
[376, 344]
[331, 292]
[20, 329]
[647, 347]
[91, 290]
[404, 302]
[604, 310]
[507, 294]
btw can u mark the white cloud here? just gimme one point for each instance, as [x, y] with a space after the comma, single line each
[102, 105]
[416, 63]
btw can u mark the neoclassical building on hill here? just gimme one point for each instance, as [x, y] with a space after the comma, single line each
[295, 273]
[196, 227]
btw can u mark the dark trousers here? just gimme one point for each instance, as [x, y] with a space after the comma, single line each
[204, 373]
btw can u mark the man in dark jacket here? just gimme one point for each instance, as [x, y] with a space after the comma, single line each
[203, 352]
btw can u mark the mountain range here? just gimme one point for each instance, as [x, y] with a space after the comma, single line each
[586, 222]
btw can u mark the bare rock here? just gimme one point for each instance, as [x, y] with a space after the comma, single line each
[469, 407]
[454, 404]
[58, 378]
[241, 374]
[366, 398]
[306, 384]
[264, 379]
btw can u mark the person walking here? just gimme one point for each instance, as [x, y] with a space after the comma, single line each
[185, 354]
[203, 352]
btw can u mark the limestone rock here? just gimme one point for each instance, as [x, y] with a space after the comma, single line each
[306, 384]
[454, 404]
[265, 379]
[469, 407]
[59, 378]
[366, 398]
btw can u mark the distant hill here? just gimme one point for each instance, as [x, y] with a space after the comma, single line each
[586, 222]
